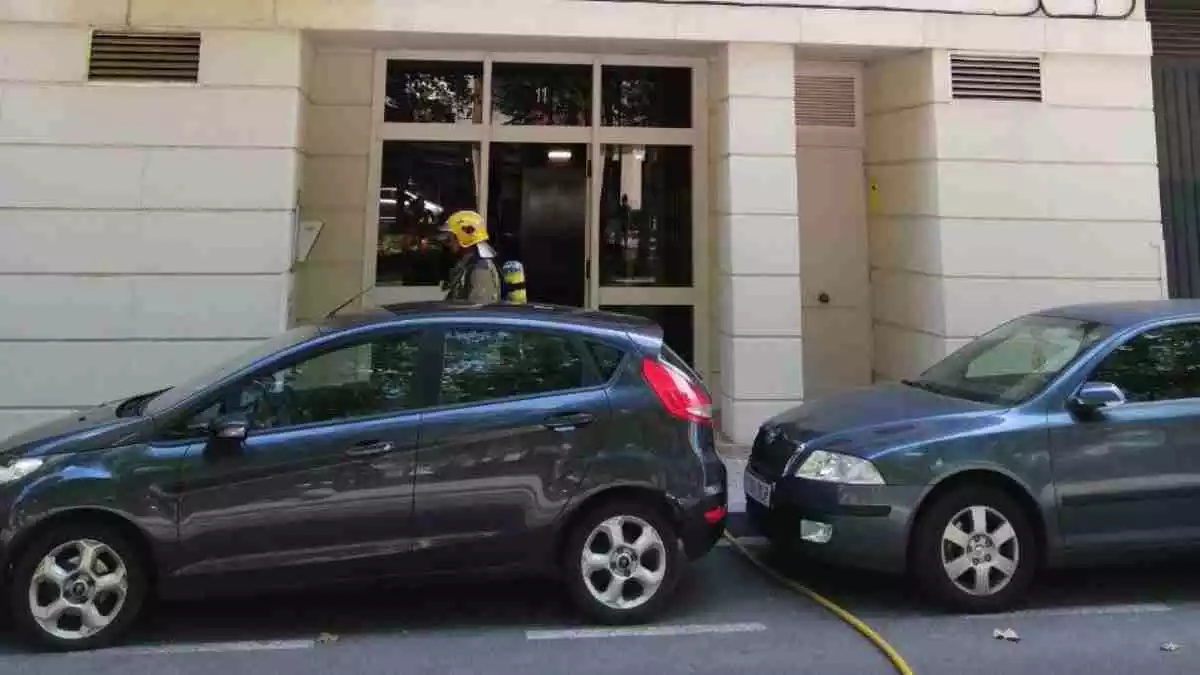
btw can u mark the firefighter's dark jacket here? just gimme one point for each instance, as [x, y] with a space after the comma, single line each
[475, 277]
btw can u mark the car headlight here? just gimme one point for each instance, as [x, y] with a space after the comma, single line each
[835, 467]
[15, 470]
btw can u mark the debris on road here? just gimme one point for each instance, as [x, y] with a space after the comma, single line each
[326, 638]
[1169, 647]
[1007, 634]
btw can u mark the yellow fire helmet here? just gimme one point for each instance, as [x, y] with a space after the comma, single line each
[467, 227]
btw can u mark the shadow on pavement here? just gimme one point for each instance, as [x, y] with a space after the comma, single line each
[718, 588]
[1171, 582]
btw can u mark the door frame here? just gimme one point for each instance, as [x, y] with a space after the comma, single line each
[595, 137]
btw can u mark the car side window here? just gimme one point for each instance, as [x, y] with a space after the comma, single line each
[1160, 364]
[485, 365]
[354, 381]
[607, 358]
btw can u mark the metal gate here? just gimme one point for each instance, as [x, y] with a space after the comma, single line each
[1176, 71]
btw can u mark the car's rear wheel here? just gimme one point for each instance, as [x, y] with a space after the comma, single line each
[621, 562]
[975, 550]
[78, 587]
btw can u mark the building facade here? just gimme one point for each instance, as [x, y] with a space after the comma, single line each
[808, 198]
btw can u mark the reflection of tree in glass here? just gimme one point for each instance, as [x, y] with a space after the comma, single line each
[635, 96]
[488, 365]
[392, 369]
[353, 382]
[630, 102]
[431, 97]
[533, 95]
[607, 358]
[1161, 364]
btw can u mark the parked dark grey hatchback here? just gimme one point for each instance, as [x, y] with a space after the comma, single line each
[1069, 436]
[410, 440]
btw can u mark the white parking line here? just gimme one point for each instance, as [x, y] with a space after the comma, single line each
[1082, 610]
[748, 542]
[207, 648]
[647, 631]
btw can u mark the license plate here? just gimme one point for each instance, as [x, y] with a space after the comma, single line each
[757, 489]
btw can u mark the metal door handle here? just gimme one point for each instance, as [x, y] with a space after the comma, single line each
[371, 448]
[569, 421]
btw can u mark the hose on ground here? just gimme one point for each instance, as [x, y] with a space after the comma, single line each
[857, 624]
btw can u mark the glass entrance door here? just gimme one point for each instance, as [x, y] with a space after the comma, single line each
[588, 169]
[646, 246]
[537, 213]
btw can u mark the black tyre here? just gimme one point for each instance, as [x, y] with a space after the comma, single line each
[975, 550]
[80, 586]
[621, 562]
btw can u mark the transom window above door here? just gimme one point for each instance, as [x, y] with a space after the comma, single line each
[536, 94]
[441, 92]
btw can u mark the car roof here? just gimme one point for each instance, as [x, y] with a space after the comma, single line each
[568, 317]
[1128, 314]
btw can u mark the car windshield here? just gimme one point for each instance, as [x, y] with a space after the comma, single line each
[177, 394]
[1013, 362]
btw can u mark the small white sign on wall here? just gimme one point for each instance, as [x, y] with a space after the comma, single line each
[307, 233]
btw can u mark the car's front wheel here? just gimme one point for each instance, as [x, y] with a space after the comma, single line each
[78, 587]
[621, 562]
[975, 550]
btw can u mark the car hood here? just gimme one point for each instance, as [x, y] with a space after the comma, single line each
[867, 421]
[79, 430]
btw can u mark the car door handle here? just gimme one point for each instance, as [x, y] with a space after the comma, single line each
[569, 421]
[370, 449]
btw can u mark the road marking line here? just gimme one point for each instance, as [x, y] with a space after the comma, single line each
[208, 647]
[1083, 610]
[748, 542]
[647, 631]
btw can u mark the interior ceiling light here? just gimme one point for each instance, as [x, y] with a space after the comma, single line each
[558, 155]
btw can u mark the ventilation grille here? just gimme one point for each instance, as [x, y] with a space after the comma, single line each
[996, 78]
[825, 101]
[170, 57]
[1175, 32]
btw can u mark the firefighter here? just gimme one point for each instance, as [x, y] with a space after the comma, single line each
[474, 277]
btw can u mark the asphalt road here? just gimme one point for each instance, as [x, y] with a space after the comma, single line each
[727, 618]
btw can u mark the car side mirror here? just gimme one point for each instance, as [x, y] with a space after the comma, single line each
[1093, 396]
[230, 428]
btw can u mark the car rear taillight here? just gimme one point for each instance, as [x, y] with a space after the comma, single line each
[679, 394]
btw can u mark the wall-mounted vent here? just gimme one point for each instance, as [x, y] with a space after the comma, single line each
[996, 78]
[825, 101]
[170, 57]
[1175, 31]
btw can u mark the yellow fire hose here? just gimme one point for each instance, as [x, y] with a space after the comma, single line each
[854, 622]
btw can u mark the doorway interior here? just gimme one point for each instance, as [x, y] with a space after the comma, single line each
[537, 213]
[589, 169]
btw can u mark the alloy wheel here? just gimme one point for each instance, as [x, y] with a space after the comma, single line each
[78, 589]
[980, 551]
[624, 562]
